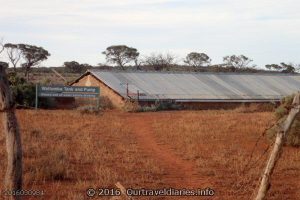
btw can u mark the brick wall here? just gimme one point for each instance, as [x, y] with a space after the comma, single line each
[89, 80]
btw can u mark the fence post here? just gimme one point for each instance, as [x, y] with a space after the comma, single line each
[13, 177]
[276, 152]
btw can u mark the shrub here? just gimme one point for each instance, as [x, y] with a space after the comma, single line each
[293, 136]
[167, 105]
[151, 108]
[131, 106]
[23, 92]
[284, 107]
[105, 103]
[89, 110]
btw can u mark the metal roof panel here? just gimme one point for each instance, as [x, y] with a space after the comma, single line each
[201, 86]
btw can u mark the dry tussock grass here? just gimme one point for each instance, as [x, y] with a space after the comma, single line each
[220, 143]
[66, 152]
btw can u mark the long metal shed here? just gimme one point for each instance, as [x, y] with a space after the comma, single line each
[198, 87]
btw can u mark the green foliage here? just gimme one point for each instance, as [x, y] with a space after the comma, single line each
[166, 105]
[196, 59]
[75, 67]
[151, 108]
[23, 91]
[32, 56]
[237, 62]
[283, 67]
[273, 66]
[157, 106]
[288, 68]
[121, 55]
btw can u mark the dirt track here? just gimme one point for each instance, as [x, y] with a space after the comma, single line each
[180, 173]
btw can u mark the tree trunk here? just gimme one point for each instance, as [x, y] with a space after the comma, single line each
[13, 178]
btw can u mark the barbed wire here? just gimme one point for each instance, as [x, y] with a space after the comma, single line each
[256, 144]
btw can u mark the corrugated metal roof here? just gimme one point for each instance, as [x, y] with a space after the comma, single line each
[201, 86]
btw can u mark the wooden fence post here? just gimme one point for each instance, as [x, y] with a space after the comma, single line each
[13, 177]
[276, 152]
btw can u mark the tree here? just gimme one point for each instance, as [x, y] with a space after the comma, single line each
[288, 68]
[121, 55]
[240, 61]
[160, 61]
[75, 67]
[33, 56]
[138, 63]
[13, 53]
[195, 59]
[273, 66]
[283, 67]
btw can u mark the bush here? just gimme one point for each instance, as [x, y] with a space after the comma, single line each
[167, 105]
[105, 103]
[293, 136]
[88, 110]
[23, 92]
[131, 106]
[151, 108]
[284, 107]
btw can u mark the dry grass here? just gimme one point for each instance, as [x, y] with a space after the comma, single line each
[66, 152]
[220, 143]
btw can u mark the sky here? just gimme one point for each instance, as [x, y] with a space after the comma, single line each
[267, 31]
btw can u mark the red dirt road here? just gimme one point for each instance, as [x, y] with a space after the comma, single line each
[180, 173]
